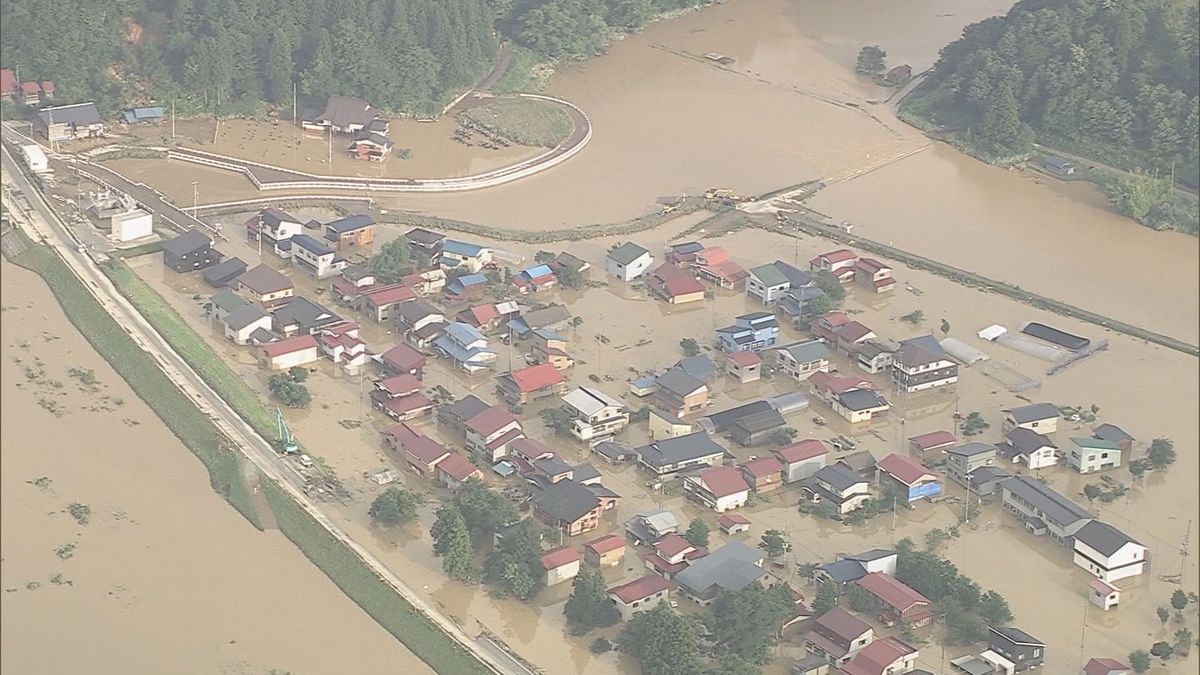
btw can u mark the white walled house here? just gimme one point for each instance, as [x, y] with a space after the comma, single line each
[1108, 553]
[561, 564]
[595, 415]
[314, 257]
[1089, 455]
[241, 323]
[628, 261]
[297, 351]
[639, 595]
[720, 488]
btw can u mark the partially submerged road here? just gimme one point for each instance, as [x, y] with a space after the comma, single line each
[44, 224]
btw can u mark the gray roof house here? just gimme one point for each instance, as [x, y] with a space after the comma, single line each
[672, 455]
[1039, 417]
[1042, 509]
[800, 360]
[756, 429]
[732, 567]
[963, 459]
[628, 261]
[1020, 648]
[985, 480]
[700, 366]
[720, 422]
[301, 315]
[650, 526]
[1023, 446]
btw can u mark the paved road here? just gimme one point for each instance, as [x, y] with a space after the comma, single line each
[44, 224]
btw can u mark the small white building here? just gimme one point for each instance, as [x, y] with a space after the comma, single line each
[35, 158]
[596, 415]
[639, 595]
[1103, 594]
[1089, 455]
[131, 225]
[628, 261]
[1108, 553]
[561, 564]
[720, 488]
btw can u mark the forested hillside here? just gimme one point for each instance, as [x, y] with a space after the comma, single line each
[1112, 80]
[230, 56]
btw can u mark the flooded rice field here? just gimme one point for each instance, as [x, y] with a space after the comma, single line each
[624, 331]
[164, 577]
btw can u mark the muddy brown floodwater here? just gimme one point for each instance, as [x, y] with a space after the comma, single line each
[165, 577]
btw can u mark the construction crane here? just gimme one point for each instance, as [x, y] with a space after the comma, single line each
[286, 440]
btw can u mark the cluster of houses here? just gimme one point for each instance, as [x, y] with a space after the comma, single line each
[356, 118]
[30, 92]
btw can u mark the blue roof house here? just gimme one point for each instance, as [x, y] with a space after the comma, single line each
[749, 333]
[467, 347]
[142, 115]
[466, 284]
[471, 257]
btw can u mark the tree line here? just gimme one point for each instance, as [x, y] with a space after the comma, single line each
[230, 57]
[1112, 81]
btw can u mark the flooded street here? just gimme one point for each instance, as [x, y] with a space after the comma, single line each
[1048, 598]
[165, 577]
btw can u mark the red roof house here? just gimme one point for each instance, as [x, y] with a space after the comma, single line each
[401, 408]
[713, 264]
[283, 354]
[8, 83]
[490, 431]
[560, 564]
[606, 551]
[1105, 666]
[883, 657]
[895, 602]
[720, 488]
[639, 595]
[825, 327]
[419, 451]
[48, 88]
[399, 385]
[381, 302]
[483, 317]
[732, 523]
[839, 262]
[672, 554]
[874, 275]
[763, 474]
[909, 478]
[674, 285]
[403, 359]
[932, 444]
[529, 384]
[455, 470]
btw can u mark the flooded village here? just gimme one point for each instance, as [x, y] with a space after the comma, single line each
[814, 404]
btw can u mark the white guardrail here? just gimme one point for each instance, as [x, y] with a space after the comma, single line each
[507, 174]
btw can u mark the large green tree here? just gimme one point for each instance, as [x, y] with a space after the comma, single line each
[664, 642]
[745, 622]
[589, 607]
[452, 544]
[483, 510]
[515, 566]
[395, 506]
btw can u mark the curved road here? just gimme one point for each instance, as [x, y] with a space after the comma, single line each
[44, 224]
[271, 177]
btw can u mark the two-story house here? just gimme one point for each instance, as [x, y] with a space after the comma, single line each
[263, 284]
[490, 432]
[573, 507]
[400, 397]
[420, 323]
[854, 398]
[720, 488]
[1043, 510]
[190, 251]
[838, 636]
[273, 228]
[874, 275]
[457, 414]
[876, 355]
[713, 264]
[299, 315]
[1039, 417]
[802, 459]
[628, 261]
[348, 287]
[732, 567]
[840, 263]
[680, 394]
[1108, 553]
[910, 479]
[382, 303]
[749, 332]
[424, 245]
[889, 656]
[521, 386]
[836, 485]
[669, 456]
[315, 258]
[550, 347]
[462, 255]
[639, 595]
[1020, 648]
[401, 358]
[800, 305]
[768, 283]
[650, 526]
[932, 447]
[917, 367]
[1089, 455]
[420, 452]
[1022, 446]
[762, 474]
[672, 554]
[466, 347]
[963, 460]
[595, 416]
[851, 336]
[674, 285]
[800, 360]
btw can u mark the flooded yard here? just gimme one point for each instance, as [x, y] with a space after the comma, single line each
[164, 577]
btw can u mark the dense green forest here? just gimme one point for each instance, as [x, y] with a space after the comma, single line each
[231, 56]
[1112, 80]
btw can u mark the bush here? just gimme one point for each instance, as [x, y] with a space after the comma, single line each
[600, 645]
[395, 506]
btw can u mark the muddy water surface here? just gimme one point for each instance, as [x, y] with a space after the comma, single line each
[165, 577]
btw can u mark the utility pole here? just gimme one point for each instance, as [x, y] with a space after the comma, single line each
[293, 103]
[195, 198]
[1183, 553]
[331, 145]
[1083, 632]
[172, 118]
